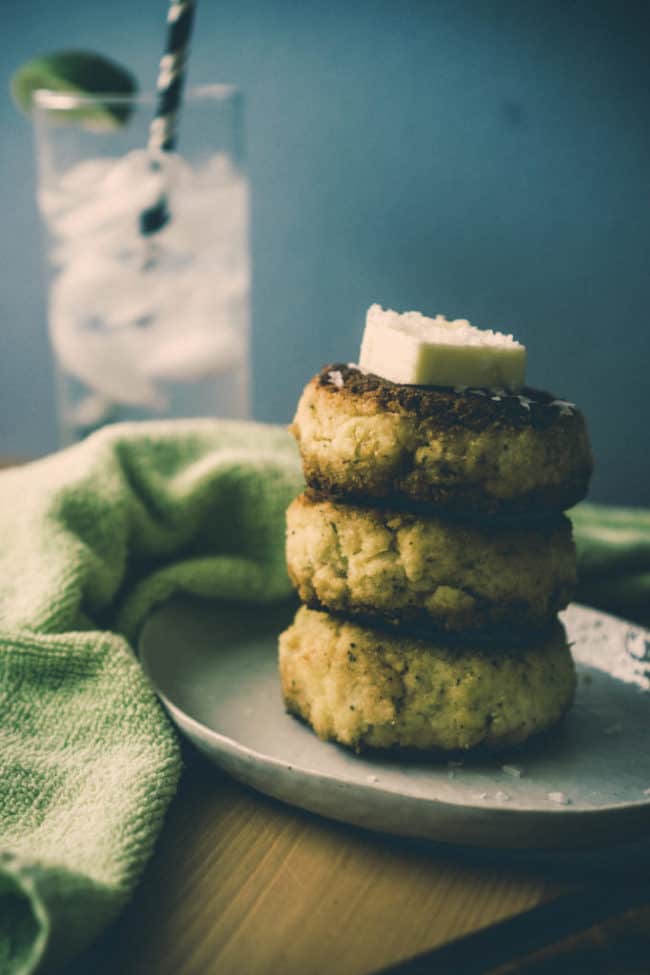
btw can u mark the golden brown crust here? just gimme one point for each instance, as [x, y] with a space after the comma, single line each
[460, 499]
[394, 568]
[363, 438]
[473, 409]
[364, 688]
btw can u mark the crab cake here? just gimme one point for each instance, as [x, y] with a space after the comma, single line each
[481, 450]
[406, 568]
[362, 687]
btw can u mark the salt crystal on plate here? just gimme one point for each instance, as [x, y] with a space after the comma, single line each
[373, 778]
[502, 796]
[565, 408]
[559, 797]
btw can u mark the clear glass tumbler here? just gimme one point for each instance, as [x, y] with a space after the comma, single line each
[145, 325]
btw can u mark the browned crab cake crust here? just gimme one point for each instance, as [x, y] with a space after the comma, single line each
[453, 576]
[362, 687]
[363, 437]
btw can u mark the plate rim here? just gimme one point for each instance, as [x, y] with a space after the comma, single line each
[236, 748]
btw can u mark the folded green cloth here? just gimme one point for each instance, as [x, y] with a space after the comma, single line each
[613, 547]
[90, 540]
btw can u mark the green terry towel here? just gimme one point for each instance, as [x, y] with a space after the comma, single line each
[613, 546]
[91, 539]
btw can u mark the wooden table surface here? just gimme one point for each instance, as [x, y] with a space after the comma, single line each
[241, 884]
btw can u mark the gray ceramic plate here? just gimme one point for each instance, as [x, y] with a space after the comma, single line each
[214, 666]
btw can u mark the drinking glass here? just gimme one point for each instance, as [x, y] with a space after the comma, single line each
[145, 323]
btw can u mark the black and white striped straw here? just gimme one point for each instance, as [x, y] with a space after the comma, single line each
[163, 131]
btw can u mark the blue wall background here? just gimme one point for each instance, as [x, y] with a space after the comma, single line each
[480, 159]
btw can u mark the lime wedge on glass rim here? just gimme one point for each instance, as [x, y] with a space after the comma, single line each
[79, 74]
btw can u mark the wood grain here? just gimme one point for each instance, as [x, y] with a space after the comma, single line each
[243, 884]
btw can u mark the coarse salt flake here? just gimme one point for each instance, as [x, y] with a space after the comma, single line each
[560, 797]
[456, 331]
[565, 408]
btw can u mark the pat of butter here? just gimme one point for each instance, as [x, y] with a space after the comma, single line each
[417, 350]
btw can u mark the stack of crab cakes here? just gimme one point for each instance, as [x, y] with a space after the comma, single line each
[432, 557]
